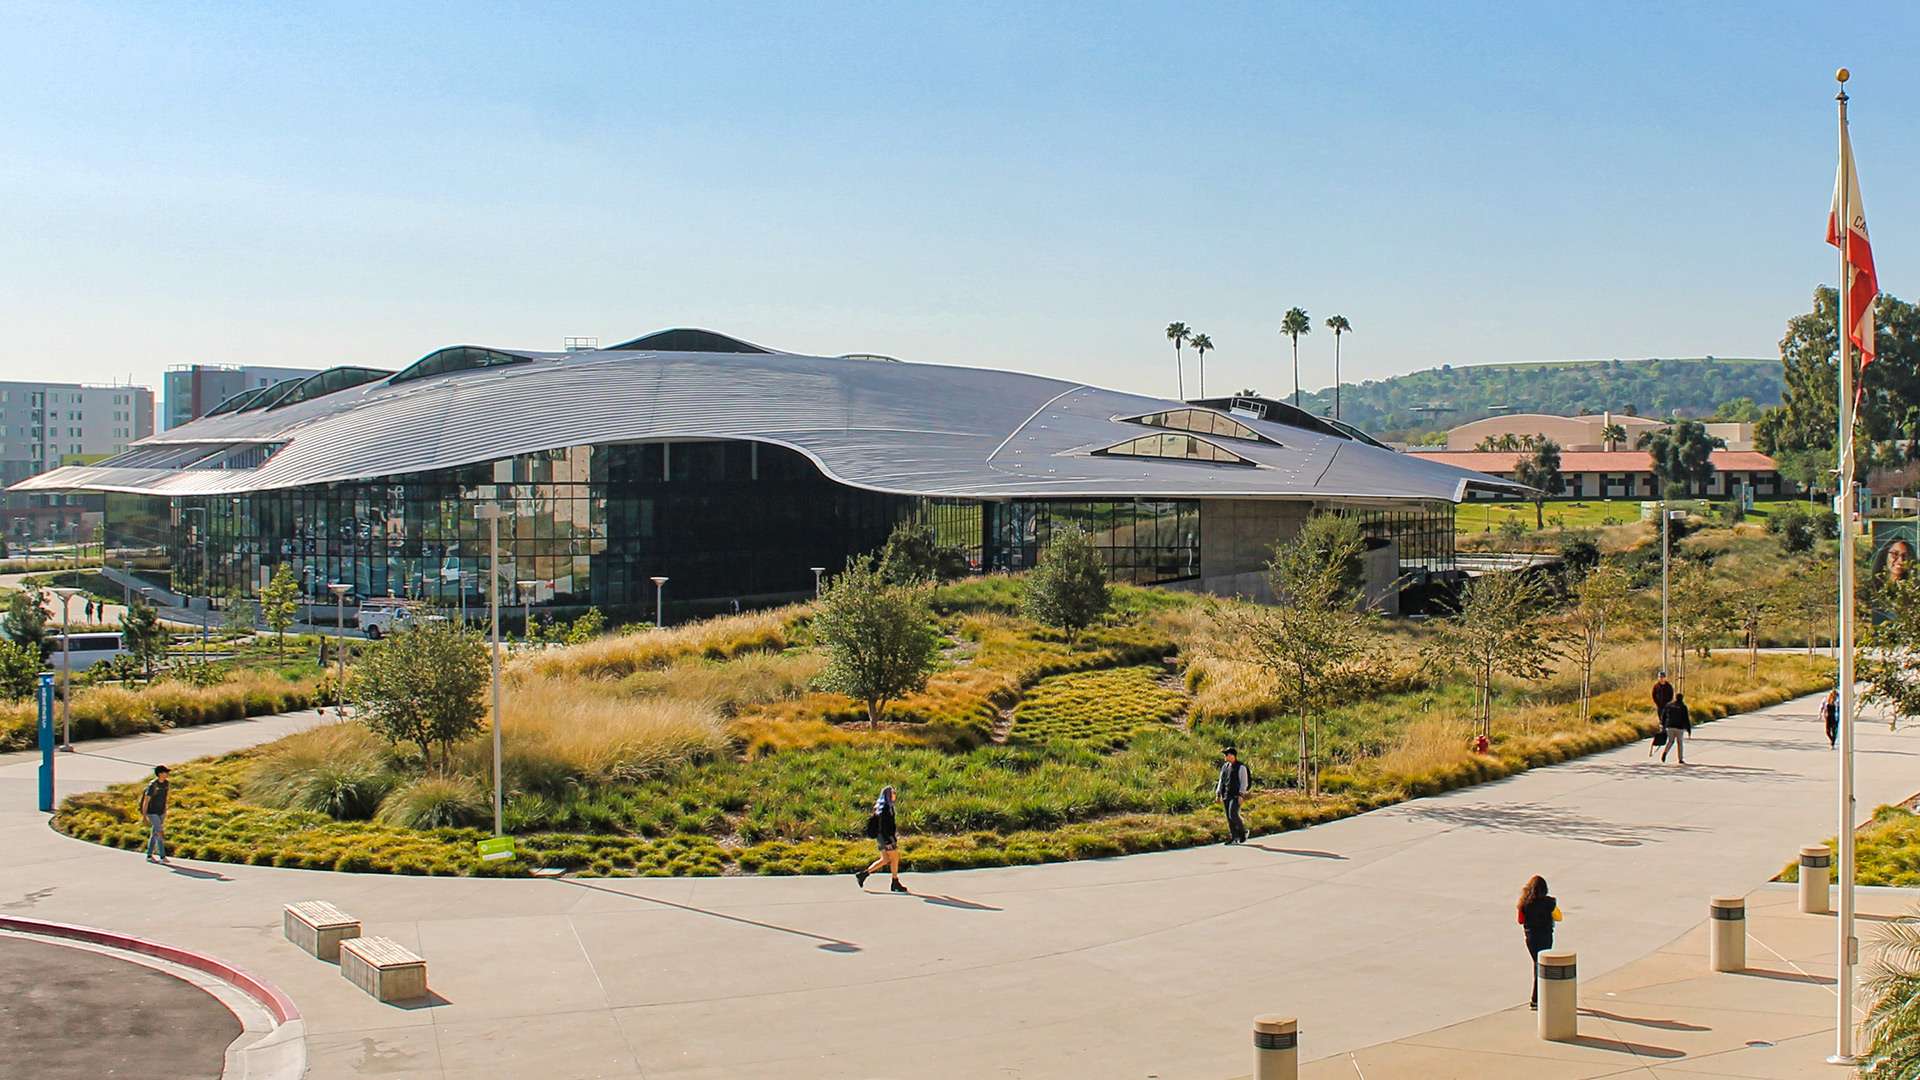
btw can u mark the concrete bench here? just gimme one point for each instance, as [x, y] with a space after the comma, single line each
[384, 968]
[318, 927]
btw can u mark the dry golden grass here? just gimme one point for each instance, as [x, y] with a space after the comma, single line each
[732, 686]
[623, 654]
[577, 728]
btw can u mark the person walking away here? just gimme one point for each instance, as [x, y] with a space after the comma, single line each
[1536, 912]
[153, 807]
[1662, 697]
[1830, 715]
[1234, 783]
[885, 830]
[1678, 723]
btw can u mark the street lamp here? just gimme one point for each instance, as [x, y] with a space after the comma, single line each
[525, 588]
[492, 512]
[1666, 549]
[817, 571]
[206, 577]
[65, 593]
[340, 590]
[659, 602]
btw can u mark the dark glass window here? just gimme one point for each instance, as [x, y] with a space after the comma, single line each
[1178, 447]
[457, 358]
[1202, 421]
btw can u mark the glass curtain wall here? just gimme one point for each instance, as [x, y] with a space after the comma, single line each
[1144, 541]
[1425, 535]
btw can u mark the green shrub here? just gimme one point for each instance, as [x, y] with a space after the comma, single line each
[436, 802]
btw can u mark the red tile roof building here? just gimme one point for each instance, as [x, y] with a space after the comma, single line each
[1601, 474]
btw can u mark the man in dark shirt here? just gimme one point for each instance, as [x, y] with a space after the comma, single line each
[153, 807]
[1234, 781]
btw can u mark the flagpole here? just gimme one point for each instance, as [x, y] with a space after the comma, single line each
[1848, 948]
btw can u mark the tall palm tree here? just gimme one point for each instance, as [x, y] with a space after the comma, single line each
[1613, 435]
[1339, 325]
[1293, 325]
[1202, 344]
[1179, 335]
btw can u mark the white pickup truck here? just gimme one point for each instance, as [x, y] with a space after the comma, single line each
[381, 617]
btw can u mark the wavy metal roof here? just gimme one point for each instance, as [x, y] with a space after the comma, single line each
[919, 429]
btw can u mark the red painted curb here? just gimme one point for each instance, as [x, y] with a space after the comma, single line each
[265, 993]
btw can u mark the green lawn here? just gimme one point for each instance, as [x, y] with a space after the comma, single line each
[1571, 513]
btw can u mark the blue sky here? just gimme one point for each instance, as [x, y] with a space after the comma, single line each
[1041, 187]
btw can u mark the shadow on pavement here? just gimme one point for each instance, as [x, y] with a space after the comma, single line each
[954, 902]
[1620, 1046]
[431, 1001]
[1786, 976]
[1302, 852]
[202, 875]
[828, 944]
[1542, 820]
[1664, 1025]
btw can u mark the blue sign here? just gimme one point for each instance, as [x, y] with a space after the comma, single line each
[46, 742]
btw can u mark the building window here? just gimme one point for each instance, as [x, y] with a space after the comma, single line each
[1176, 447]
[1201, 421]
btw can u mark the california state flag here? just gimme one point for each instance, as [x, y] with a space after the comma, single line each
[1862, 286]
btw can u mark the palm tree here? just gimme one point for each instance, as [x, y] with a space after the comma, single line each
[1339, 325]
[1293, 325]
[1202, 344]
[1613, 435]
[1179, 335]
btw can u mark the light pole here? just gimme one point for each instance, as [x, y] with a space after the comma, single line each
[525, 589]
[340, 590]
[817, 571]
[1666, 549]
[493, 512]
[206, 576]
[65, 593]
[659, 602]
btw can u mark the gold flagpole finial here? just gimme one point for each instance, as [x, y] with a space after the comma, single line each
[1842, 75]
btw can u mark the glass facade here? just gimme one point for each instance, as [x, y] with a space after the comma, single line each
[1203, 421]
[1145, 541]
[1425, 536]
[1182, 447]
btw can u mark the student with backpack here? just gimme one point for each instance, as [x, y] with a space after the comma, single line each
[1536, 913]
[883, 828]
[1235, 782]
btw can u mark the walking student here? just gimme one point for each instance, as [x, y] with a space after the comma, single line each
[885, 830]
[1678, 723]
[1536, 913]
[1662, 697]
[1830, 716]
[1234, 783]
[153, 807]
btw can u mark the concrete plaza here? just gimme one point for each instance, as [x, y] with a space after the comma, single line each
[1371, 930]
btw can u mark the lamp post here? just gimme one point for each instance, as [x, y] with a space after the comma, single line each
[65, 593]
[340, 590]
[493, 512]
[525, 588]
[659, 602]
[206, 576]
[817, 571]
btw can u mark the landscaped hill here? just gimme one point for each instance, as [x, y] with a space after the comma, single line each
[1394, 408]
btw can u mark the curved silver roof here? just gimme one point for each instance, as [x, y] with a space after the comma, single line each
[909, 428]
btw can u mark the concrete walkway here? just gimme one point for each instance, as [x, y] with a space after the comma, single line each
[1371, 929]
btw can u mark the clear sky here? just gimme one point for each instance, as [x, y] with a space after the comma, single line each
[1032, 186]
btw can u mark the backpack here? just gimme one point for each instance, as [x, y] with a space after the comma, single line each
[1246, 779]
[873, 826]
[1660, 736]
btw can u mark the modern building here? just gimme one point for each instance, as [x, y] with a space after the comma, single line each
[1625, 474]
[194, 390]
[732, 470]
[1579, 432]
[46, 425]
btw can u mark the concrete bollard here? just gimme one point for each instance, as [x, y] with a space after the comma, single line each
[1276, 1047]
[1727, 934]
[1559, 995]
[1816, 868]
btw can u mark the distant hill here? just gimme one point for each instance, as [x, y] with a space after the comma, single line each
[1393, 408]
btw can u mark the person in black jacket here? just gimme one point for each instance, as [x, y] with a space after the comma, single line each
[1830, 715]
[1678, 722]
[1537, 912]
[1233, 785]
[884, 829]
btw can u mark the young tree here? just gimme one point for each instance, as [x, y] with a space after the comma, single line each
[145, 639]
[1068, 590]
[1541, 472]
[279, 602]
[910, 557]
[425, 686]
[19, 670]
[1808, 595]
[586, 626]
[1753, 596]
[240, 615]
[1501, 628]
[27, 618]
[1316, 640]
[880, 640]
[1697, 612]
[1600, 601]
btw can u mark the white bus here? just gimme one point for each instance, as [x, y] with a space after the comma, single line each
[88, 649]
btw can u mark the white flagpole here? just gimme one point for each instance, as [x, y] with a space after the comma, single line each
[1848, 949]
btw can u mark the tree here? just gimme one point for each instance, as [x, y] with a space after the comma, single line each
[240, 615]
[1293, 324]
[1202, 345]
[1068, 590]
[1682, 455]
[1501, 628]
[425, 687]
[1179, 335]
[1740, 410]
[279, 602]
[1892, 1023]
[1752, 596]
[1889, 394]
[1613, 435]
[1697, 612]
[1318, 641]
[145, 639]
[1541, 472]
[1809, 595]
[1339, 325]
[880, 640]
[19, 670]
[1599, 601]
[911, 556]
[27, 618]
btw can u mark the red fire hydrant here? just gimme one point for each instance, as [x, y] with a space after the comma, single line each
[1481, 744]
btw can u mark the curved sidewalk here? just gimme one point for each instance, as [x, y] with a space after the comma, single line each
[1370, 929]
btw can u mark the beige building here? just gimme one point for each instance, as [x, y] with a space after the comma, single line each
[1579, 432]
